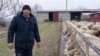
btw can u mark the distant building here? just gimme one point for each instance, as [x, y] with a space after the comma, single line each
[95, 17]
[75, 14]
[52, 15]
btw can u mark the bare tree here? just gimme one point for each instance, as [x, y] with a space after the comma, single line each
[4, 4]
[36, 8]
[16, 7]
[10, 6]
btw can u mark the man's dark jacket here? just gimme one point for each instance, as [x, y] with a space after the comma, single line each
[25, 32]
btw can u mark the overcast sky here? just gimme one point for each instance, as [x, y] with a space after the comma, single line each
[61, 4]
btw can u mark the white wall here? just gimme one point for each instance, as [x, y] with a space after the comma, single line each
[42, 16]
[45, 15]
[64, 16]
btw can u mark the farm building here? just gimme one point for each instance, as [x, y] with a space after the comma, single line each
[52, 15]
[78, 14]
[63, 14]
[95, 17]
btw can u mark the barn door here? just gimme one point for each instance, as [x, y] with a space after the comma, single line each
[50, 16]
[76, 16]
[55, 16]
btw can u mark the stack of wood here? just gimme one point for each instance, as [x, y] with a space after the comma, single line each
[89, 29]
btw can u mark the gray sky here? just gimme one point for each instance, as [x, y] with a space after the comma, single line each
[61, 4]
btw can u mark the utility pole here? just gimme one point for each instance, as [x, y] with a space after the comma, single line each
[66, 4]
[67, 13]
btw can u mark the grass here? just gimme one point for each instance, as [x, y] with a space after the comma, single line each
[49, 33]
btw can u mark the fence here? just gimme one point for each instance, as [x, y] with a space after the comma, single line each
[85, 52]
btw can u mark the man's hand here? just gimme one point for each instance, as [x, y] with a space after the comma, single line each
[38, 45]
[10, 45]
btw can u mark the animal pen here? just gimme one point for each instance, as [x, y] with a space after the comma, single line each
[70, 44]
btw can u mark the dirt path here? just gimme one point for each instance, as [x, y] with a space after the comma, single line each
[50, 37]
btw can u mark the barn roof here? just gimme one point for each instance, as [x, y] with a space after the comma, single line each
[72, 10]
[95, 13]
[84, 10]
[42, 11]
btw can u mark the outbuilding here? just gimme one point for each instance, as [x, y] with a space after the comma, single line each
[53, 15]
[95, 17]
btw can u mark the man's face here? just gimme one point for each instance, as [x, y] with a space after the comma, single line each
[26, 12]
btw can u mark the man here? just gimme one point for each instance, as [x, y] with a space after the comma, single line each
[25, 29]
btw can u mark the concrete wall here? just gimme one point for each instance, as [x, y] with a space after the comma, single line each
[42, 16]
[64, 16]
[45, 15]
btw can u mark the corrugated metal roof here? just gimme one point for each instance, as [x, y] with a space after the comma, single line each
[72, 10]
[83, 10]
[52, 11]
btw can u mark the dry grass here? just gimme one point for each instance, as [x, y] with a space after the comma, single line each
[49, 34]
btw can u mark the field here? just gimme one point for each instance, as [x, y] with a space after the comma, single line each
[49, 33]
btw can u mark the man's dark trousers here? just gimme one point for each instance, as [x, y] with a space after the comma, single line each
[23, 52]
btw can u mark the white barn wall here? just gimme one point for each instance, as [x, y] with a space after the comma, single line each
[64, 16]
[42, 16]
[68, 16]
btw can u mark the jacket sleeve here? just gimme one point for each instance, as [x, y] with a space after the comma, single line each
[36, 32]
[11, 30]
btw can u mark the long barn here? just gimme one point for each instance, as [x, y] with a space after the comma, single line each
[63, 14]
[52, 15]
